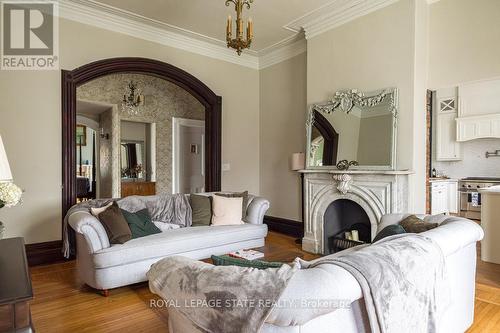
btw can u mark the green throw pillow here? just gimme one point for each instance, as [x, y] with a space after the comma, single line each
[140, 223]
[226, 260]
[201, 206]
[393, 229]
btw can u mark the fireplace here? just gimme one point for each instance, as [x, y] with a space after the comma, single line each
[345, 216]
[335, 200]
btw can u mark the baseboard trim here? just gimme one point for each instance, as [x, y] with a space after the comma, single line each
[44, 253]
[285, 226]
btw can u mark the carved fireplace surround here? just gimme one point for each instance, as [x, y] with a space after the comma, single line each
[377, 192]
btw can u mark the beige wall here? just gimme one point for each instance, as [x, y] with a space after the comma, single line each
[373, 52]
[369, 53]
[282, 132]
[464, 41]
[30, 121]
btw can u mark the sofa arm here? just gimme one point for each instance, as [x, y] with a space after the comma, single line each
[452, 234]
[314, 292]
[256, 210]
[86, 224]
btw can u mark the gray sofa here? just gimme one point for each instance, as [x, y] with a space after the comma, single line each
[457, 238]
[103, 266]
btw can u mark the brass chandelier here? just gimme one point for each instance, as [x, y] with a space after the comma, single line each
[238, 43]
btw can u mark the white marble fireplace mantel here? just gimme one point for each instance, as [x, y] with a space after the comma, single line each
[378, 192]
[356, 171]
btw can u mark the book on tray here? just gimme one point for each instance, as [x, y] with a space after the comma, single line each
[247, 254]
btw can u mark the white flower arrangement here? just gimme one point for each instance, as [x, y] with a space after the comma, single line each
[10, 195]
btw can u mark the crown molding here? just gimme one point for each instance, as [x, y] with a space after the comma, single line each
[335, 14]
[325, 18]
[276, 55]
[117, 20]
[110, 18]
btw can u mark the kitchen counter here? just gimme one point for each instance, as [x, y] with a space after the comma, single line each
[490, 190]
[443, 180]
[490, 222]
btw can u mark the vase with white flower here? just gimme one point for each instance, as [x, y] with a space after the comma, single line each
[10, 194]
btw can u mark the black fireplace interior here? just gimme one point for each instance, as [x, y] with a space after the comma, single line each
[345, 215]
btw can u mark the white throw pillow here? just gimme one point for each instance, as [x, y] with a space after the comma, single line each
[226, 211]
[97, 211]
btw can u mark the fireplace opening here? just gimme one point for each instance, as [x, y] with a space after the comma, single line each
[346, 225]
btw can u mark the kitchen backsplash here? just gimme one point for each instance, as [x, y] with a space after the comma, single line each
[474, 162]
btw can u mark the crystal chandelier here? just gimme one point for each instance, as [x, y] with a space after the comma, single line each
[133, 99]
[239, 43]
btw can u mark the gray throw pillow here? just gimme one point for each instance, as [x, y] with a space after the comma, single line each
[201, 206]
[243, 195]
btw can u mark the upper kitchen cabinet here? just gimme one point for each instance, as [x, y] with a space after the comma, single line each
[479, 110]
[447, 146]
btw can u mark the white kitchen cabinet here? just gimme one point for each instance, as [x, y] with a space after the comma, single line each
[479, 110]
[444, 197]
[439, 199]
[452, 193]
[478, 127]
[447, 146]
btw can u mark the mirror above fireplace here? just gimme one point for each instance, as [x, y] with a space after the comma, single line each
[354, 126]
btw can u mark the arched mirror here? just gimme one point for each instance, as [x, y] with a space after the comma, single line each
[354, 126]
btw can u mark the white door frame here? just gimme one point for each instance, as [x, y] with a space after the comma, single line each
[176, 124]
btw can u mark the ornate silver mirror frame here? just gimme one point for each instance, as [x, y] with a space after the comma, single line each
[345, 101]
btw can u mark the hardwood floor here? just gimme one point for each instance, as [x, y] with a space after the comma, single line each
[63, 304]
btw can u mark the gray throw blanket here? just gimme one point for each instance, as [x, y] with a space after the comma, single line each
[403, 282]
[166, 208]
[229, 299]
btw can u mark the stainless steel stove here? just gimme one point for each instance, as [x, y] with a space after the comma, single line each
[470, 198]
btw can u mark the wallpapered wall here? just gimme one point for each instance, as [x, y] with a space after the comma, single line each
[163, 100]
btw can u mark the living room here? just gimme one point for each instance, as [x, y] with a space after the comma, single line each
[170, 98]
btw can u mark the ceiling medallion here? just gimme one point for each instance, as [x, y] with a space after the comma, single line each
[238, 43]
[133, 99]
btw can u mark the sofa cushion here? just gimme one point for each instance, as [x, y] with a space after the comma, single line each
[227, 260]
[226, 211]
[176, 241]
[390, 230]
[243, 195]
[201, 205]
[98, 210]
[416, 225]
[115, 225]
[140, 223]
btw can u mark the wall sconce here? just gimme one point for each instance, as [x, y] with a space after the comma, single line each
[103, 135]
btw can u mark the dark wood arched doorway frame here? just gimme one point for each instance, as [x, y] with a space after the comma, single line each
[71, 80]
[330, 136]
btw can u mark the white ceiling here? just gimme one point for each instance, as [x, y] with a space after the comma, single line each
[208, 17]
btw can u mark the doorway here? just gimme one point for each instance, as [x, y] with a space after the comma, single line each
[188, 156]
[71, 80]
